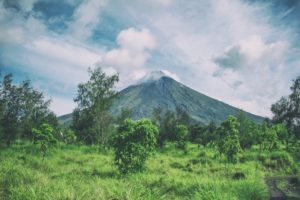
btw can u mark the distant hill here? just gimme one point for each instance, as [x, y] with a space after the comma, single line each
[159, 90]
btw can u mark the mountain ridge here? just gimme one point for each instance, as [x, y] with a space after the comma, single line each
[157, 89]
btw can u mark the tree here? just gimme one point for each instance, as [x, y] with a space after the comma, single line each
[287, 109]
[11, 107]
[91, 119]
[22, 107]
[181, 132]
[67, 135]
[167, 121]
[210, 135]
[248, 131]
[268, 138]
[133, 143]
[126, 113]
[229, 143]
[44, 137]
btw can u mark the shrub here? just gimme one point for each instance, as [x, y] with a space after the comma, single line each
[229, 143]
[44, 136]
[181, 132]
[133, 143]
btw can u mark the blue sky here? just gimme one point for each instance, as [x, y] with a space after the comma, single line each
[243, 52]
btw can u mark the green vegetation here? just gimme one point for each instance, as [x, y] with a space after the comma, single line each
[91, 119]
[229, 143]
[168, 157]
[44, 137]
[87, 172]
[22, 108]
[133, 144]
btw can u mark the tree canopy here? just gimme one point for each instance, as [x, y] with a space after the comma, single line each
[287, 109]
[91, 118]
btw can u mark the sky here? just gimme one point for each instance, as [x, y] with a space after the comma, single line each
[243, 52]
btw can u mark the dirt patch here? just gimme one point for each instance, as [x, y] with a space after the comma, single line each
[283, 188]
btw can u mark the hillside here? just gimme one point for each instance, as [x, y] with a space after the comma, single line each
[159, 90]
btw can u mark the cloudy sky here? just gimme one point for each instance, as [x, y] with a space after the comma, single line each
[243, 52]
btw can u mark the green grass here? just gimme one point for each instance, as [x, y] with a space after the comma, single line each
[87, 172]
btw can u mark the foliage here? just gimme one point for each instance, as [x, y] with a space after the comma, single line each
[67, 135]
[133, 144]
[287, 109]
[268, 138]
[91, 119]
[229, 143]
[167, 121]
[181, 132]
[22, 107]
[204, 134]
[126, 113]
[82, 172]
[248, 131]
[44, 137]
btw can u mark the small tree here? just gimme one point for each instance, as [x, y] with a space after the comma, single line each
[44, 137]
[133, 143]
[283, 134]
[268, 138]
[287, 109]
[92, 121]
[67, 135]
[248, 131]
[229, 143]
[181, 132]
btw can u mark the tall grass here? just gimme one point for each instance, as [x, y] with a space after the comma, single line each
[87, 172]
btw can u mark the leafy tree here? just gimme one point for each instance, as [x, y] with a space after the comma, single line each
[210, 135]
[22, 107]
[283, 134]
[268, 138]
[133, 143]
[229, 143]
[11, 108]
[67, 135]
[196, 133]
[44, 137]
[126, 113]
[91, 119]
[287, 109]
[167, 121]
[181, 132]
[248, 131]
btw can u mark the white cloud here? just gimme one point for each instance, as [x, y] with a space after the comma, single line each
[65, 52]
[195, 33]
[190, 38]
[130, 58]
[62, 105]
[133, 52]
[170, 74]
[259, 67]
[86, 18]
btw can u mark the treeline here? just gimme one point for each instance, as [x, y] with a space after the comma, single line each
[22, 108]
[25, 114]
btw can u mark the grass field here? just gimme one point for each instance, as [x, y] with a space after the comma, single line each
[87, 172]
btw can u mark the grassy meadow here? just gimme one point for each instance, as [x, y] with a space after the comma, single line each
[88, 172]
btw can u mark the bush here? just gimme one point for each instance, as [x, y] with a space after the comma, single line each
[181, 132]
[133, 144]
[44, 136]
[229, 143]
